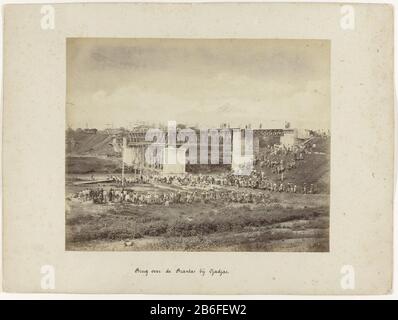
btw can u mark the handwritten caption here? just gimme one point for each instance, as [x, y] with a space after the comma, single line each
[180, 271]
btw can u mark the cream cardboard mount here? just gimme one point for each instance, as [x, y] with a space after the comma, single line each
[307, 211]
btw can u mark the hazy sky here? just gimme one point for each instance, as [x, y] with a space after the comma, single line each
[204, 82]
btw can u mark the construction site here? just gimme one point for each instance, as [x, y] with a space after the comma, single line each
[117, 200]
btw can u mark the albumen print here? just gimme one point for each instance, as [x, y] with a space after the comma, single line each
[197, 145]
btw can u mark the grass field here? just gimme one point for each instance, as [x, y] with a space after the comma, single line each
[287, 222]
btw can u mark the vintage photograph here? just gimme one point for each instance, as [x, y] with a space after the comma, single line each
[197, 145]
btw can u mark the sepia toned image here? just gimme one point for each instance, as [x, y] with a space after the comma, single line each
[209, 93]
[198, 149]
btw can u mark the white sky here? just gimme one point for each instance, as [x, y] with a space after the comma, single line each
[203, 82]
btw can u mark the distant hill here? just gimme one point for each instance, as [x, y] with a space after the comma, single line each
[315, 168]
[82, 165]
[84, 143]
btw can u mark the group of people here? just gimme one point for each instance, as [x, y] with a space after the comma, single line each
[256, 180]
[296, 151]
[129, 180]
[281, 159]
[103, 196]
[206, 187]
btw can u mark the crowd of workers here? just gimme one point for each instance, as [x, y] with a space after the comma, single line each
[207, 187]
[124, 195]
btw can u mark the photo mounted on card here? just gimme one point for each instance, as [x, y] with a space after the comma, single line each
[198, 148]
